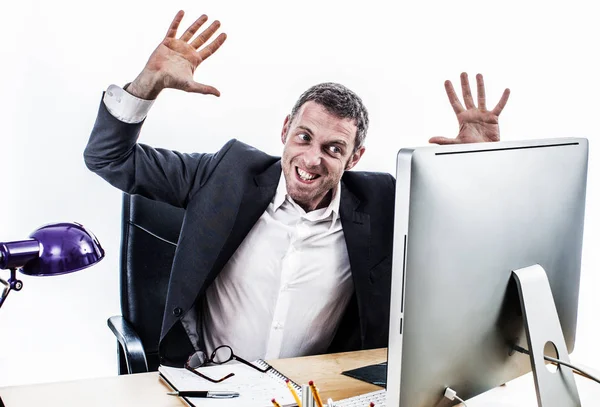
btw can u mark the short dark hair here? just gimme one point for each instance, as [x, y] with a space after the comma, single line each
[339, 101]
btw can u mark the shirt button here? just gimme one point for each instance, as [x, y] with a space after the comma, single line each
[177, 311]
[278, 325]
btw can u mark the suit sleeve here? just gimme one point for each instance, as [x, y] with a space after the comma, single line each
[169, 176]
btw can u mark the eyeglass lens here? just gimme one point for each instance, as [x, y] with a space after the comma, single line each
[222, 354]
[197, 360]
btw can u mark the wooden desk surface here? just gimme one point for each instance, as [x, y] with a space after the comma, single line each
[146, 389]
[326, 372]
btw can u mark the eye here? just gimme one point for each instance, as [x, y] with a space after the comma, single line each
[303, 136]
[335, 150]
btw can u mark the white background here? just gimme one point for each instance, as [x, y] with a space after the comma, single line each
[57, 57]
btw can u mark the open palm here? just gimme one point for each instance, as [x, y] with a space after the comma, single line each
[476, 123]
[175, 60]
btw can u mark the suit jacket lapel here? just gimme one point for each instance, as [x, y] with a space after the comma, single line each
[255, 201]
[357, 233]
[238, 219]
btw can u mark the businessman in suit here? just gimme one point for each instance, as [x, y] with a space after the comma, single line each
[277, 257]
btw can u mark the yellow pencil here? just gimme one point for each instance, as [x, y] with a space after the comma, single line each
[315, 394]
[289, 385]
[275, 403]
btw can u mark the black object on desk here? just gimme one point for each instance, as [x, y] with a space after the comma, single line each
[374, 374]
[206, 394]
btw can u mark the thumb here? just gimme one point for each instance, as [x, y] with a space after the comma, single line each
[197, 87]
[443, 140]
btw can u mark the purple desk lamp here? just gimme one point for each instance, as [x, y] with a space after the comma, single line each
[58, 248]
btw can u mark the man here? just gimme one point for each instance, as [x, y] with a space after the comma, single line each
[274, 266]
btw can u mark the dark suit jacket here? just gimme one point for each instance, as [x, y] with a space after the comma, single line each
[224, 194]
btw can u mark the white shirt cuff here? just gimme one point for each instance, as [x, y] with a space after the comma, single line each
[124, 106]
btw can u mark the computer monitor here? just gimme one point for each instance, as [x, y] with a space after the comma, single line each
[466, 217]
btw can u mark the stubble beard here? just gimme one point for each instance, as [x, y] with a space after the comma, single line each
[309, 197]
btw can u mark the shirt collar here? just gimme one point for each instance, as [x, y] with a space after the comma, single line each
[332, 209]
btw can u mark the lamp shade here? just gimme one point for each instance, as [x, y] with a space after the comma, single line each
[64, 248]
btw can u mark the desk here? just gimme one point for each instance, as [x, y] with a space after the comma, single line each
[325, 371]
[146, 389]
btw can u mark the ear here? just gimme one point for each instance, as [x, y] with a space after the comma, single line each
[355, 158]
[286, 127]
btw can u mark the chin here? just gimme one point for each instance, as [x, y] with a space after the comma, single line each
[299, 198]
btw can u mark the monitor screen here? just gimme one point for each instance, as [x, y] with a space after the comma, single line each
[466, 216]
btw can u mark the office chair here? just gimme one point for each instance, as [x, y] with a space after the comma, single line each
[150, 231]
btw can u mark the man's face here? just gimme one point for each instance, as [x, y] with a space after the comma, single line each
[318, 148]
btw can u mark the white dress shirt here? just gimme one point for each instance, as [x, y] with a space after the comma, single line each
[284, 291]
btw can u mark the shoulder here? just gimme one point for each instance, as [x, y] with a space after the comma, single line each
[367, 184]
[237, 159]
[240, 154]
[235, 148]
[374, 190]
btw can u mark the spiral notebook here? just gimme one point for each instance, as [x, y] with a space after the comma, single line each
[256, 389]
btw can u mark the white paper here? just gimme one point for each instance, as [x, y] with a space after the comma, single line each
[256, 389]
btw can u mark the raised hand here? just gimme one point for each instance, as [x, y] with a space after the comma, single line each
[174, 61]
[476, 124]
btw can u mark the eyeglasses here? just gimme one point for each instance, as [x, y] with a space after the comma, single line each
[219, 356]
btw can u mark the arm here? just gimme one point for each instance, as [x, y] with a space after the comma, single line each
[476, 124]
[113, 152]
[169, 176]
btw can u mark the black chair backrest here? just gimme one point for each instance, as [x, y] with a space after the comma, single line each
[150, 231]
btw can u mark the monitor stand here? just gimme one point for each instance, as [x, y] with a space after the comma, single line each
[542, 325]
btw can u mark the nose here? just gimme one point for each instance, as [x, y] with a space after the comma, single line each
[312, 157]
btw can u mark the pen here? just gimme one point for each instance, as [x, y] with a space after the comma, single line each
[206, 394]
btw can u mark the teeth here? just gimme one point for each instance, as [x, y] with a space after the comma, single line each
[305, 175]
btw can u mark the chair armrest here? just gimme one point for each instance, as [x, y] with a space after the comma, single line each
[130, 342]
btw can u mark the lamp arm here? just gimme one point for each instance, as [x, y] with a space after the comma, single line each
[18, 253]
[11, 284]
[5, 284]
[5, 291]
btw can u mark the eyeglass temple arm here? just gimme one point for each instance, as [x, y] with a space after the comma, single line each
[250, 364]
[210, 379]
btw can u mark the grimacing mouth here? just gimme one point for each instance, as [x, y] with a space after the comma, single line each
[306, 175]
